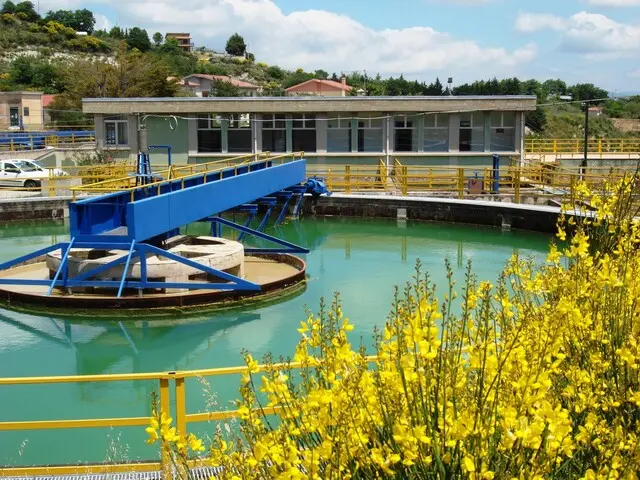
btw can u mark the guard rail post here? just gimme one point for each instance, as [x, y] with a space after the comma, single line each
[460, 183]
[347, 178]
[516, 184]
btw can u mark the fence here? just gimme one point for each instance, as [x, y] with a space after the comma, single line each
[540, 181]
[576, 145]
[28, 141]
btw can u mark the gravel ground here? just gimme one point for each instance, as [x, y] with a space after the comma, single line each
[9, 194]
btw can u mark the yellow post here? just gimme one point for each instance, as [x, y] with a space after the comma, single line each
[51, 189]
[460, 182]
[165, 459]
[329, 180]
[11, 145]
[599, 145]
[572, 188]
[181, 407]
[347, 178]
[555, 145]
[431, 178]
[405, 181]
[73, 137]
[516, 184]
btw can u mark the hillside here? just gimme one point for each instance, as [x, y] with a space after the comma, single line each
[61, 53]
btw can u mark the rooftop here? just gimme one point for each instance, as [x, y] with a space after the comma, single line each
[309, 104]
[223, 78]
[318, 82]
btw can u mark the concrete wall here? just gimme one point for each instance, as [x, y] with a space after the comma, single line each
[478, 212]
[34, 208]
[159, 133]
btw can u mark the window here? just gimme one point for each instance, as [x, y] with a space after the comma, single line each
[436, 133]
[339, 134]
[369, 134]
[405, 134]
[274, 133]
[210, 133]
[116, 131]
[304, 133]
[26, 111]
[503, 131]
[240, 138]
[471, 132]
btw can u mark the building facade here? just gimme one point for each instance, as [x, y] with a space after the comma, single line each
[322, 88]
[21, 111]
[183, 39]
[201, 85]
[333, 130]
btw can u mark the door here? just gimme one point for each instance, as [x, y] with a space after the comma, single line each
[14, 117]
[465, 140]
[9, 175]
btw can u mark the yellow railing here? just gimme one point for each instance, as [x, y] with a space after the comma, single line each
[171, 385]
[30, 142]
[183, 173]
[535, 180]
[576, 145]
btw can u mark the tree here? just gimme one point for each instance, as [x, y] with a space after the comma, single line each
[220, 88]
[139, 38]
[321, 74]
[158, 38]
[8, 7]
[587, 91]
[83, 21]
[27, 9]
[117, 33]
[236, 46]
[536, 120]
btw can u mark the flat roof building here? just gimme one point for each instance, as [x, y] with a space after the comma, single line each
[21, 111]
[183, 39]
[444, 130]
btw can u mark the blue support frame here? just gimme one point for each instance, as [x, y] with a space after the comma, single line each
[133, 250]
[288, 246]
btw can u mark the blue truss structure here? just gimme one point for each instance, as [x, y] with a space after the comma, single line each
[138, 222]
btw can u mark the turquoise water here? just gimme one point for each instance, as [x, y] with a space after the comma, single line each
[362, 259]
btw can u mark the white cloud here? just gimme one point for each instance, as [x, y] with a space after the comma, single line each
[590, 34]
[314, 39]
[533, 22]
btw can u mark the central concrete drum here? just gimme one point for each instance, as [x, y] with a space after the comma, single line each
[219, 253]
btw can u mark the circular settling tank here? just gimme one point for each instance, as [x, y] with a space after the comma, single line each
[276, 275]
[361, 259]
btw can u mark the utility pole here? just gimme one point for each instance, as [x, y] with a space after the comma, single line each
[583, 165]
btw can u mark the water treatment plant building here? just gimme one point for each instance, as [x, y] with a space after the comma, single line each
[445, 130]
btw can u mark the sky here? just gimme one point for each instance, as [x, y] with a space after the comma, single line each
[586, 41]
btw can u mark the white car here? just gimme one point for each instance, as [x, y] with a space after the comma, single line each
[22, 173]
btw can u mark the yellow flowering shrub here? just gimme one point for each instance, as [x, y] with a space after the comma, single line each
[534, 377]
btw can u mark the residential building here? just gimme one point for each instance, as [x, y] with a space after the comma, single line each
[595, 111]
[322, 88]
[201, 85]
[444, 130]
[21, 111]
[183, 39]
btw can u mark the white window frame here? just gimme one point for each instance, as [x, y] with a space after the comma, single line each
[116, 122]
[512, 128]
[440, 123]
[212, 119]
[369, 125]
[342, 124]
[306, 120]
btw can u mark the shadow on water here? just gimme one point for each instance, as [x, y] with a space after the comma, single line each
[147, 345]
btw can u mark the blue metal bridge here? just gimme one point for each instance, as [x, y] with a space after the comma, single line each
[138, 214]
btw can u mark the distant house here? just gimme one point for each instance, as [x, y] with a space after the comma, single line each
[322, 88]
[201, 85]
[21, 111]
[595, 111]
[47, 100]
[183, 39]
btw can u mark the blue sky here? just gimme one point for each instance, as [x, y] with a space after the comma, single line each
[577, 40]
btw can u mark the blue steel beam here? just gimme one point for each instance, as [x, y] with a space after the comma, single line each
[63, 265]
[126, 267]
[31, 256]
[291, 247]
[222, 191]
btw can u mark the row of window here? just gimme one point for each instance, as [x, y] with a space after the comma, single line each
[344, 134]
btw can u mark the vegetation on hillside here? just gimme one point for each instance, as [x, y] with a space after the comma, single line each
[54, 48]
